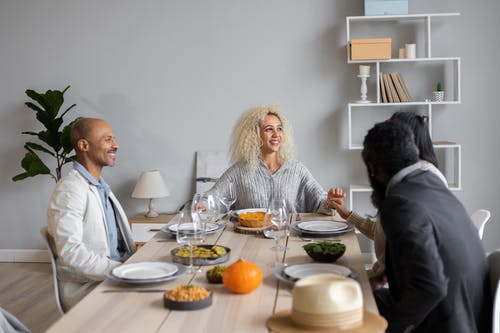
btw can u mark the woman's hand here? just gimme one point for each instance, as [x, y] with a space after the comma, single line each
[335, 200]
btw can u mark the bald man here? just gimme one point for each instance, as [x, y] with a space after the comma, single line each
[86, 221]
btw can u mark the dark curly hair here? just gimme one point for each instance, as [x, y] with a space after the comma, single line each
[390, 146]
[418, 125]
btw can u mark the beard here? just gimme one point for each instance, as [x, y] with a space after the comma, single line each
[378, 194]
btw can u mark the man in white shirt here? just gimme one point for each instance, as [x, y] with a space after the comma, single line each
[86, 221]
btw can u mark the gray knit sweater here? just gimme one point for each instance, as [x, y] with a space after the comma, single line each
[292, 182]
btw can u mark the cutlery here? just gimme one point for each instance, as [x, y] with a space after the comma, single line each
[134, 291]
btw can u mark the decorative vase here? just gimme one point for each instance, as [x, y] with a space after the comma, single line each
[437, 96]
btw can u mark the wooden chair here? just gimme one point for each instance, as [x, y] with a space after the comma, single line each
[479, 218]
[494, 262]
[49, 242]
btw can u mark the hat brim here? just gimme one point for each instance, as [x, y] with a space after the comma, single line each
[281, 322]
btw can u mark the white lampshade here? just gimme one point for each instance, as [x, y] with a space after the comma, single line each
[150, 185]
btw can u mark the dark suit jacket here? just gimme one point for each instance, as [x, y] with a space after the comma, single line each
[435, 262]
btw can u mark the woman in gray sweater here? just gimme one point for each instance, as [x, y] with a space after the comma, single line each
[263, 165]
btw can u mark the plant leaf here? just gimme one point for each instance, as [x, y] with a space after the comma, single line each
[34, 107]
[70, 159]
[65, 137]
[30, 133]
[66, 111]
[38, 98]
[36, 146]
[33, 166]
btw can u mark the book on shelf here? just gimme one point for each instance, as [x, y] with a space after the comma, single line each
[399, 89]
[405, 88]
[389, 86]
[386, 88]
[393, 88]
[383, 94]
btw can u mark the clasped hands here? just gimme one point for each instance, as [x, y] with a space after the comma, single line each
[335, 200]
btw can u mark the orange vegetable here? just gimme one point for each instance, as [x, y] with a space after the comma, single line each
[242, 277]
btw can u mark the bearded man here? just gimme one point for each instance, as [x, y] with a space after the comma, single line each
[435, 262]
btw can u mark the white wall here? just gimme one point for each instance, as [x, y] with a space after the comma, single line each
[171, 77]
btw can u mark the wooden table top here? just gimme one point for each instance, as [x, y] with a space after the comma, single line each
[129, 311]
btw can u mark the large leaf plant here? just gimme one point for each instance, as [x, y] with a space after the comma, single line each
[54, 140]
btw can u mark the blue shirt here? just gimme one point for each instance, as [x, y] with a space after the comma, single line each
[104, 189]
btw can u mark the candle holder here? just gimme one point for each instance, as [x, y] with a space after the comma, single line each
[363, 89]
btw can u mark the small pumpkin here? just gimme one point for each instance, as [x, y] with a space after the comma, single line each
[242, 277]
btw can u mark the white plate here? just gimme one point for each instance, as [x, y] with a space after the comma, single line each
[189, 227]
[144, 270]
[321, 226]
[301, 271]
[181, 269]
[280, 275]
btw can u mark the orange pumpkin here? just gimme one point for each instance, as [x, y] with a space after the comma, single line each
[242, 277]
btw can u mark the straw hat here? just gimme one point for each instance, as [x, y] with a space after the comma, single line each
[327, 303]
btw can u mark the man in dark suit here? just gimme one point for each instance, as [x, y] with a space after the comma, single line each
[435, 263]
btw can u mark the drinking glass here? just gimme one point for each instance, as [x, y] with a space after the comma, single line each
[275, 226]
[228, 198]
[190, 231]
[204, 208]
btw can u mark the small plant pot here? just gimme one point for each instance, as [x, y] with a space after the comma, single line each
[438, 96]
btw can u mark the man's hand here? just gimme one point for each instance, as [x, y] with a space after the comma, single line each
[335, 200]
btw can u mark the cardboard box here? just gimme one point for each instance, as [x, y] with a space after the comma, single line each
[370, 49]
[386, 7]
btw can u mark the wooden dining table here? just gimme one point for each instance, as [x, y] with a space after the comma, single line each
[118, 307]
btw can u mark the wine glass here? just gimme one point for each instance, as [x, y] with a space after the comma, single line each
[204, 208]
[275, 226]
[189, 231]
[228, 198]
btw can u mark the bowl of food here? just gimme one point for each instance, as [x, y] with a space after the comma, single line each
[325, 251]
[187, 297]
[202, 254]
[252, 219]
[214, 275]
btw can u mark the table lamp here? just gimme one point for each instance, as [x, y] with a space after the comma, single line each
[150, 185]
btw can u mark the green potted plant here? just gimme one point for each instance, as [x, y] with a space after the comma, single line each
[438, 94]
[54, 139]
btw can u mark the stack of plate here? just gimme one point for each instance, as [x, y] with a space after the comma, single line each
[293, 273]
[171, 229]
[147, 272]
[320, 228]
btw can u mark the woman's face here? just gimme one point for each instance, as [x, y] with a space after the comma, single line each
[271, 134]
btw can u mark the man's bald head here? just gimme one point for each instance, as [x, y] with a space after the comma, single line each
[83, 129]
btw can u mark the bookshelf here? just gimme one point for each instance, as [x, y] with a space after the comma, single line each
[418, 73]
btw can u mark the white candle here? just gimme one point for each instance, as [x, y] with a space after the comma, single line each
[364, 70]
[411, 51]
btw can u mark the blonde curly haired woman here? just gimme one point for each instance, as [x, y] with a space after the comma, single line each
[263, 165]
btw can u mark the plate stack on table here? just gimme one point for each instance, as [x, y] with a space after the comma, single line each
[293, 273]
[210, 228]
[320, 228]
[147, 272]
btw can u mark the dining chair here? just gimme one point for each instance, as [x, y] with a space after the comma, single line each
[494, 263]
[479, 218]
[49, 242]
[209, 167]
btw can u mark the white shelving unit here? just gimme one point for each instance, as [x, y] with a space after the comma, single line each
[450, 152]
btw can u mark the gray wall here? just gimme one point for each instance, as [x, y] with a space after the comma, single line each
[171, 77]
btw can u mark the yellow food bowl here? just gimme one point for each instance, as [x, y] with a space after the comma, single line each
[252, 219]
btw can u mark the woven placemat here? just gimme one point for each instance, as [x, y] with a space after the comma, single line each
[246, 230]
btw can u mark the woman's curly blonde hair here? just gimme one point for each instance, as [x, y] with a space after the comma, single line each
[246, 141]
